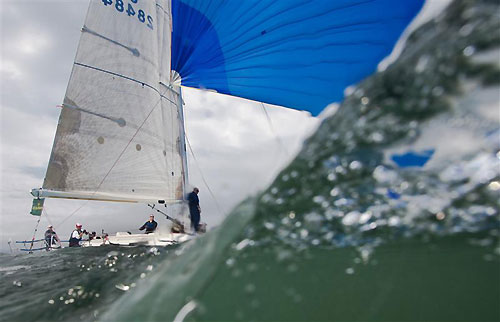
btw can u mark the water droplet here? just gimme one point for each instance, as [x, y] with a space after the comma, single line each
[230, 262]
[494, 185]
[334, 192]
[466, 30]
[351, 218]
[355, 165]
[122, 287]
[376, 137]
[242, 244]
[269, 225]
[469, 51]
[437, 91]
[250, 288]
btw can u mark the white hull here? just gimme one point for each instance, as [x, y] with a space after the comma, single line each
[154, 239]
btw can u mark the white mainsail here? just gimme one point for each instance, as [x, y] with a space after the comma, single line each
[120, 135]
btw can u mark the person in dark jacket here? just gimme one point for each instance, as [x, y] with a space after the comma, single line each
[149, 225]
[194, 209]
[50, 237]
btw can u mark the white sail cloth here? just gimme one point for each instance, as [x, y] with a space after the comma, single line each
[120, 133]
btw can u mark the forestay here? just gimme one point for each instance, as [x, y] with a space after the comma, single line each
[120, 132]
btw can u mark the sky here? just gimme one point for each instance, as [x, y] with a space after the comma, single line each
[238, 150]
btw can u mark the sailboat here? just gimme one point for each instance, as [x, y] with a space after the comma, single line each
[120, 136]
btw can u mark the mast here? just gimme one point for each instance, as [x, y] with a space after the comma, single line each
[182, 145]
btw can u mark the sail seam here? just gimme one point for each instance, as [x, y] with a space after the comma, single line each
[125, 77]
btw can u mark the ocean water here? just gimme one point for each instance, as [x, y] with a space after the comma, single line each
[389, 212]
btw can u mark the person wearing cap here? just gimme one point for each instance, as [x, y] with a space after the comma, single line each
[76, 236]
[149, 225]
[194, 209]
[50, 237]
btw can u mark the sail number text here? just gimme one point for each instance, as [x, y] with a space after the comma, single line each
[130, 11]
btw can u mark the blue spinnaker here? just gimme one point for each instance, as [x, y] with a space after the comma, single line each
[294, 53]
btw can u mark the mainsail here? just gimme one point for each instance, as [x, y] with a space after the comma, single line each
[120, 135]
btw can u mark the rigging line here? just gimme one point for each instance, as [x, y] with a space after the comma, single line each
[34, 232]
[278, 139]
[117, 159]
[203, 177]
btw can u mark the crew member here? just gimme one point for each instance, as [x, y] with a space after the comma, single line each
[76, 236]
[194, 209]
[50, 237]
[149, 225]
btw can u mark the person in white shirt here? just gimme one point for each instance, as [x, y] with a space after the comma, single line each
[76, 236]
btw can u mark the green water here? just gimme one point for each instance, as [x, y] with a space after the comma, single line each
[441, 279]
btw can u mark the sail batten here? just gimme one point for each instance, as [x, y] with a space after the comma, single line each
[118, 133]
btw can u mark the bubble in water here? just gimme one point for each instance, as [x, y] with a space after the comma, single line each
[230, 262]
[51, 301]
[377, 137]
[269, 225]
[363, 219]
[494, 185]
[242, 244]
[334, 192]
[437, 91]
[250, 288]
[351, 218]
[355, 165]
[469, 51]
[394, 221]
[466, 30]
[349, 271]
[122, 287]
[440, 215]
